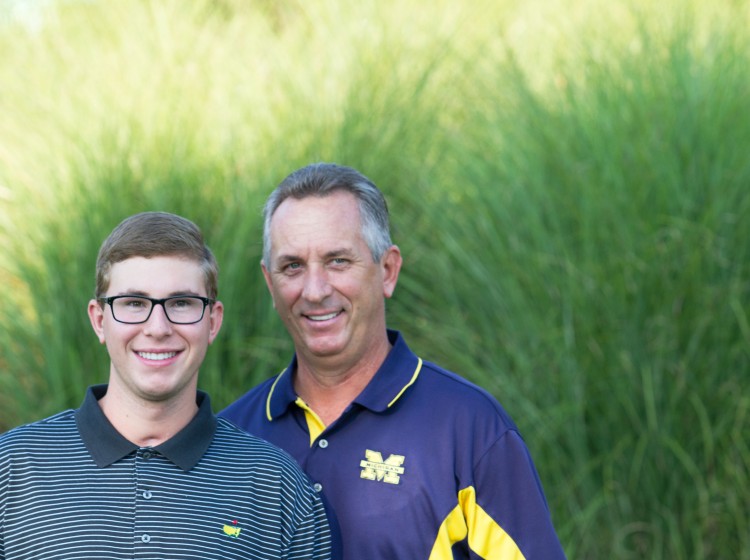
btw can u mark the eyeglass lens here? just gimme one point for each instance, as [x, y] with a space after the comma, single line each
[133, 309]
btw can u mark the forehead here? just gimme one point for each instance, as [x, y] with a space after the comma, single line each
[316, 215]
[156, 276]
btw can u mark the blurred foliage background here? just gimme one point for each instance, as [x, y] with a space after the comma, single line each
[569, 187]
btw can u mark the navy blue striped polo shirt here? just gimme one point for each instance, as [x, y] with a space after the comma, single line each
[72, 487]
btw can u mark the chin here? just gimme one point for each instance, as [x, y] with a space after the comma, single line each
[323, 344]
[323, 349]
[324, 352]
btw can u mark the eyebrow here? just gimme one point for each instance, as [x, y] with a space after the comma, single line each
[284, 259]
[141, 293]
[346, 252]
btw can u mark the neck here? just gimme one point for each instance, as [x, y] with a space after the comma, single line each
[143, 422]
[328, 387]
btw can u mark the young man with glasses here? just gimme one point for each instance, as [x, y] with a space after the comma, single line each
[143, 469]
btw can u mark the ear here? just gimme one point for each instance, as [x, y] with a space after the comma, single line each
[216, 317]
[96, 316]
[390, 263]
[269, 281]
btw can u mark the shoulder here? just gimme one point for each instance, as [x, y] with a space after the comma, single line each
[243, 448]
[227, 432]
[447, 384]
[41, 440]
[445, 387]
[47, 428]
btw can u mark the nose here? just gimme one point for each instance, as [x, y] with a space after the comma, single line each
[158, 324]
[316, 287]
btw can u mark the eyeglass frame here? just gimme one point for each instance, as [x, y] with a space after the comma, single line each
[154, 302]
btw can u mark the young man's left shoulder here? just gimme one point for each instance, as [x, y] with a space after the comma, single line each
[246, 446]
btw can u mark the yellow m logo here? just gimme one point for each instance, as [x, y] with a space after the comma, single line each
[375, 468]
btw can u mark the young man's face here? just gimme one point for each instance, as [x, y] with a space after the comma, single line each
[328, 291]
[156, 360]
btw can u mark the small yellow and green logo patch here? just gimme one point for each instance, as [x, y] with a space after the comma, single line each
[232, 530]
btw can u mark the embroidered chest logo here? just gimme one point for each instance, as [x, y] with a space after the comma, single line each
[375, 468]
[232, 530]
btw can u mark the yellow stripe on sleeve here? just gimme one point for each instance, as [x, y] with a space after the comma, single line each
[452, 530]
[486, 537]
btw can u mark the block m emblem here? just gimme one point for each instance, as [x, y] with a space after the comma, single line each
[375, 468]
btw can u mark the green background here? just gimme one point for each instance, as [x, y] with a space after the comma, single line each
[569, 186]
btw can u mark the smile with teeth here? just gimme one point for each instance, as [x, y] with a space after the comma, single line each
[157, 355]
[325, 317]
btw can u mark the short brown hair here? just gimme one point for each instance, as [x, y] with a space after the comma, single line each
[155, 234]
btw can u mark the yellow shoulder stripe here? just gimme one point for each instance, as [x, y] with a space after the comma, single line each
[486, 537]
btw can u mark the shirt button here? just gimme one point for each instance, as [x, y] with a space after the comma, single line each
[146, 538]
[147, 455]
[147, 494]
[323, 443]
[317, 487]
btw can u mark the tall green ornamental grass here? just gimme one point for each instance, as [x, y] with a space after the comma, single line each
[568, 184]
[602, 226]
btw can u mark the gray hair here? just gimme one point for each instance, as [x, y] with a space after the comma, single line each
[323, 179]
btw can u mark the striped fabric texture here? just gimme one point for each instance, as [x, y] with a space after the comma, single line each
[242, 499]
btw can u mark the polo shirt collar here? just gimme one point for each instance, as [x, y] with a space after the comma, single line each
[395, 375]
[107, 446]
[399, 370]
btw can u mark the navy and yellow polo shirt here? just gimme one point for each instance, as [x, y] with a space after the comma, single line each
[422, 465]
[72, 487]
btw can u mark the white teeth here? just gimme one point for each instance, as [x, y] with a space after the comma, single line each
[157, 355]
[322, 317]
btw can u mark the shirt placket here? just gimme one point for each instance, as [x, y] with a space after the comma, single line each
[146, 532]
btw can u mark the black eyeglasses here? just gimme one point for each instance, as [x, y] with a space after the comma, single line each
[180, 310]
